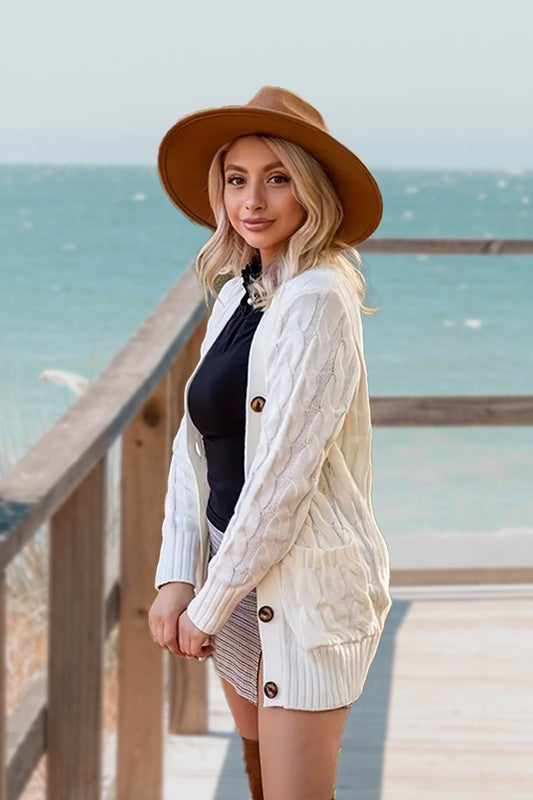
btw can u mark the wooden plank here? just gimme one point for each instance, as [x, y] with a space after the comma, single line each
[76, 642]
[187, 679]
[26, 735]
[140, 660]
[438, 410]
[112, 588]
[458, 576]
[188, 698]
[399, 246]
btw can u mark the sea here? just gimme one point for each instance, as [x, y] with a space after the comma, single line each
[86, 252]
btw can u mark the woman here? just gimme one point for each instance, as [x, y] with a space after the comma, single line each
[271, 559]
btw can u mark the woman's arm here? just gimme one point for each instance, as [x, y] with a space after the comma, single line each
[311, 379]
[180, 543]
[180, 535]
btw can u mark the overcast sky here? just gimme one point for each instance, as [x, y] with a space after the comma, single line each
[404, 83]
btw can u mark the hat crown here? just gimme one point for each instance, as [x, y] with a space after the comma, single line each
[274, 98]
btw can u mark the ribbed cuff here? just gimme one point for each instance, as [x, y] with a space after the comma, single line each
[213, 604]
[175, 565]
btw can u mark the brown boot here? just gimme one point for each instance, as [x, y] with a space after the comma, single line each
[250, 749]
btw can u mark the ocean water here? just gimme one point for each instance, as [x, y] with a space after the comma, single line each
[87, 252]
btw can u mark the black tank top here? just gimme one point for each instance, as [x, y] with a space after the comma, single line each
[217, 399]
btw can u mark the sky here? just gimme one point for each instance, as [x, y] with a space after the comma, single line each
[404, 83]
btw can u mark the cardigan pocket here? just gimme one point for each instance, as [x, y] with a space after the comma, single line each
[325, 595]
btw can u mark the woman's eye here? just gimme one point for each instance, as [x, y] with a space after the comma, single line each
[282, 179]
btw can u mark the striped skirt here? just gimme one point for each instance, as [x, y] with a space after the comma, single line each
[237, 645]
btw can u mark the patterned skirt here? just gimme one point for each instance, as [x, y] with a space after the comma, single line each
[237, 645]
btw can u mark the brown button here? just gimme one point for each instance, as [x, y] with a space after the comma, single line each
[265, 613]
[270, 689]
[257, 403]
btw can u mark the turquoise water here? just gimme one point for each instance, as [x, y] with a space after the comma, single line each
[87, 252]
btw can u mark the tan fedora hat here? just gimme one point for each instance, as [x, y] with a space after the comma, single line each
[187, 150]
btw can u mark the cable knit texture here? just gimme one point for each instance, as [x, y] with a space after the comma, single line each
[303, 531]
[311, 381]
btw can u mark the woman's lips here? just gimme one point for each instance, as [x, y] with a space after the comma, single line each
[257, 226]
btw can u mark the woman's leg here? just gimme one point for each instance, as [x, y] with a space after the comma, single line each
[299, 750]
[245, 715]
[242, 710]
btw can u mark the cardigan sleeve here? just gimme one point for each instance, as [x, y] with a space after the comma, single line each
[180, 543]
[180, 540]
[311, 377]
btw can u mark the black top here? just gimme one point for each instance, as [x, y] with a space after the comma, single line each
[217, 399]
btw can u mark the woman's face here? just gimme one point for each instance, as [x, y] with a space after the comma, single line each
[258, 187]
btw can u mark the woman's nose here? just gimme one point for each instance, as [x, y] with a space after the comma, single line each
[255, 196]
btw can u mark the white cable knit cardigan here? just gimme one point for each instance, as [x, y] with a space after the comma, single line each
[303, 531]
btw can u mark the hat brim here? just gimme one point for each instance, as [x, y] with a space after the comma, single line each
[187, 150]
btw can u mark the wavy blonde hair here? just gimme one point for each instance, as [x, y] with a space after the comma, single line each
[315, 242]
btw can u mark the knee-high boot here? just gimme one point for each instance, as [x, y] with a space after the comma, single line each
[250, 748]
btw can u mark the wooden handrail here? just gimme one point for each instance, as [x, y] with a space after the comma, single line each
[482, 247]
[439, 410]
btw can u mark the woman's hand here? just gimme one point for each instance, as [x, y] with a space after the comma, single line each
[193, 641]
[171, 601]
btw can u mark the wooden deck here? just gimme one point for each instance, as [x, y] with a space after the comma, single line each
[446, 714]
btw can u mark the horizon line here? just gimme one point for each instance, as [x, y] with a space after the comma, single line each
[518, 170]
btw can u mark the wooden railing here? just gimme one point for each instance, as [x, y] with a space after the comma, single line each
[61, 481]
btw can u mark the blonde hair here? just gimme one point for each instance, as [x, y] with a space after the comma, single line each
[314, 242]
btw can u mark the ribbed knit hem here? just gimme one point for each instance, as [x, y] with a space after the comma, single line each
[327, 677]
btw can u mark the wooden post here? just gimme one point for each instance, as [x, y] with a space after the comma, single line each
[76, 642]
[3, 699]
[188, 700]
[140, 660]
